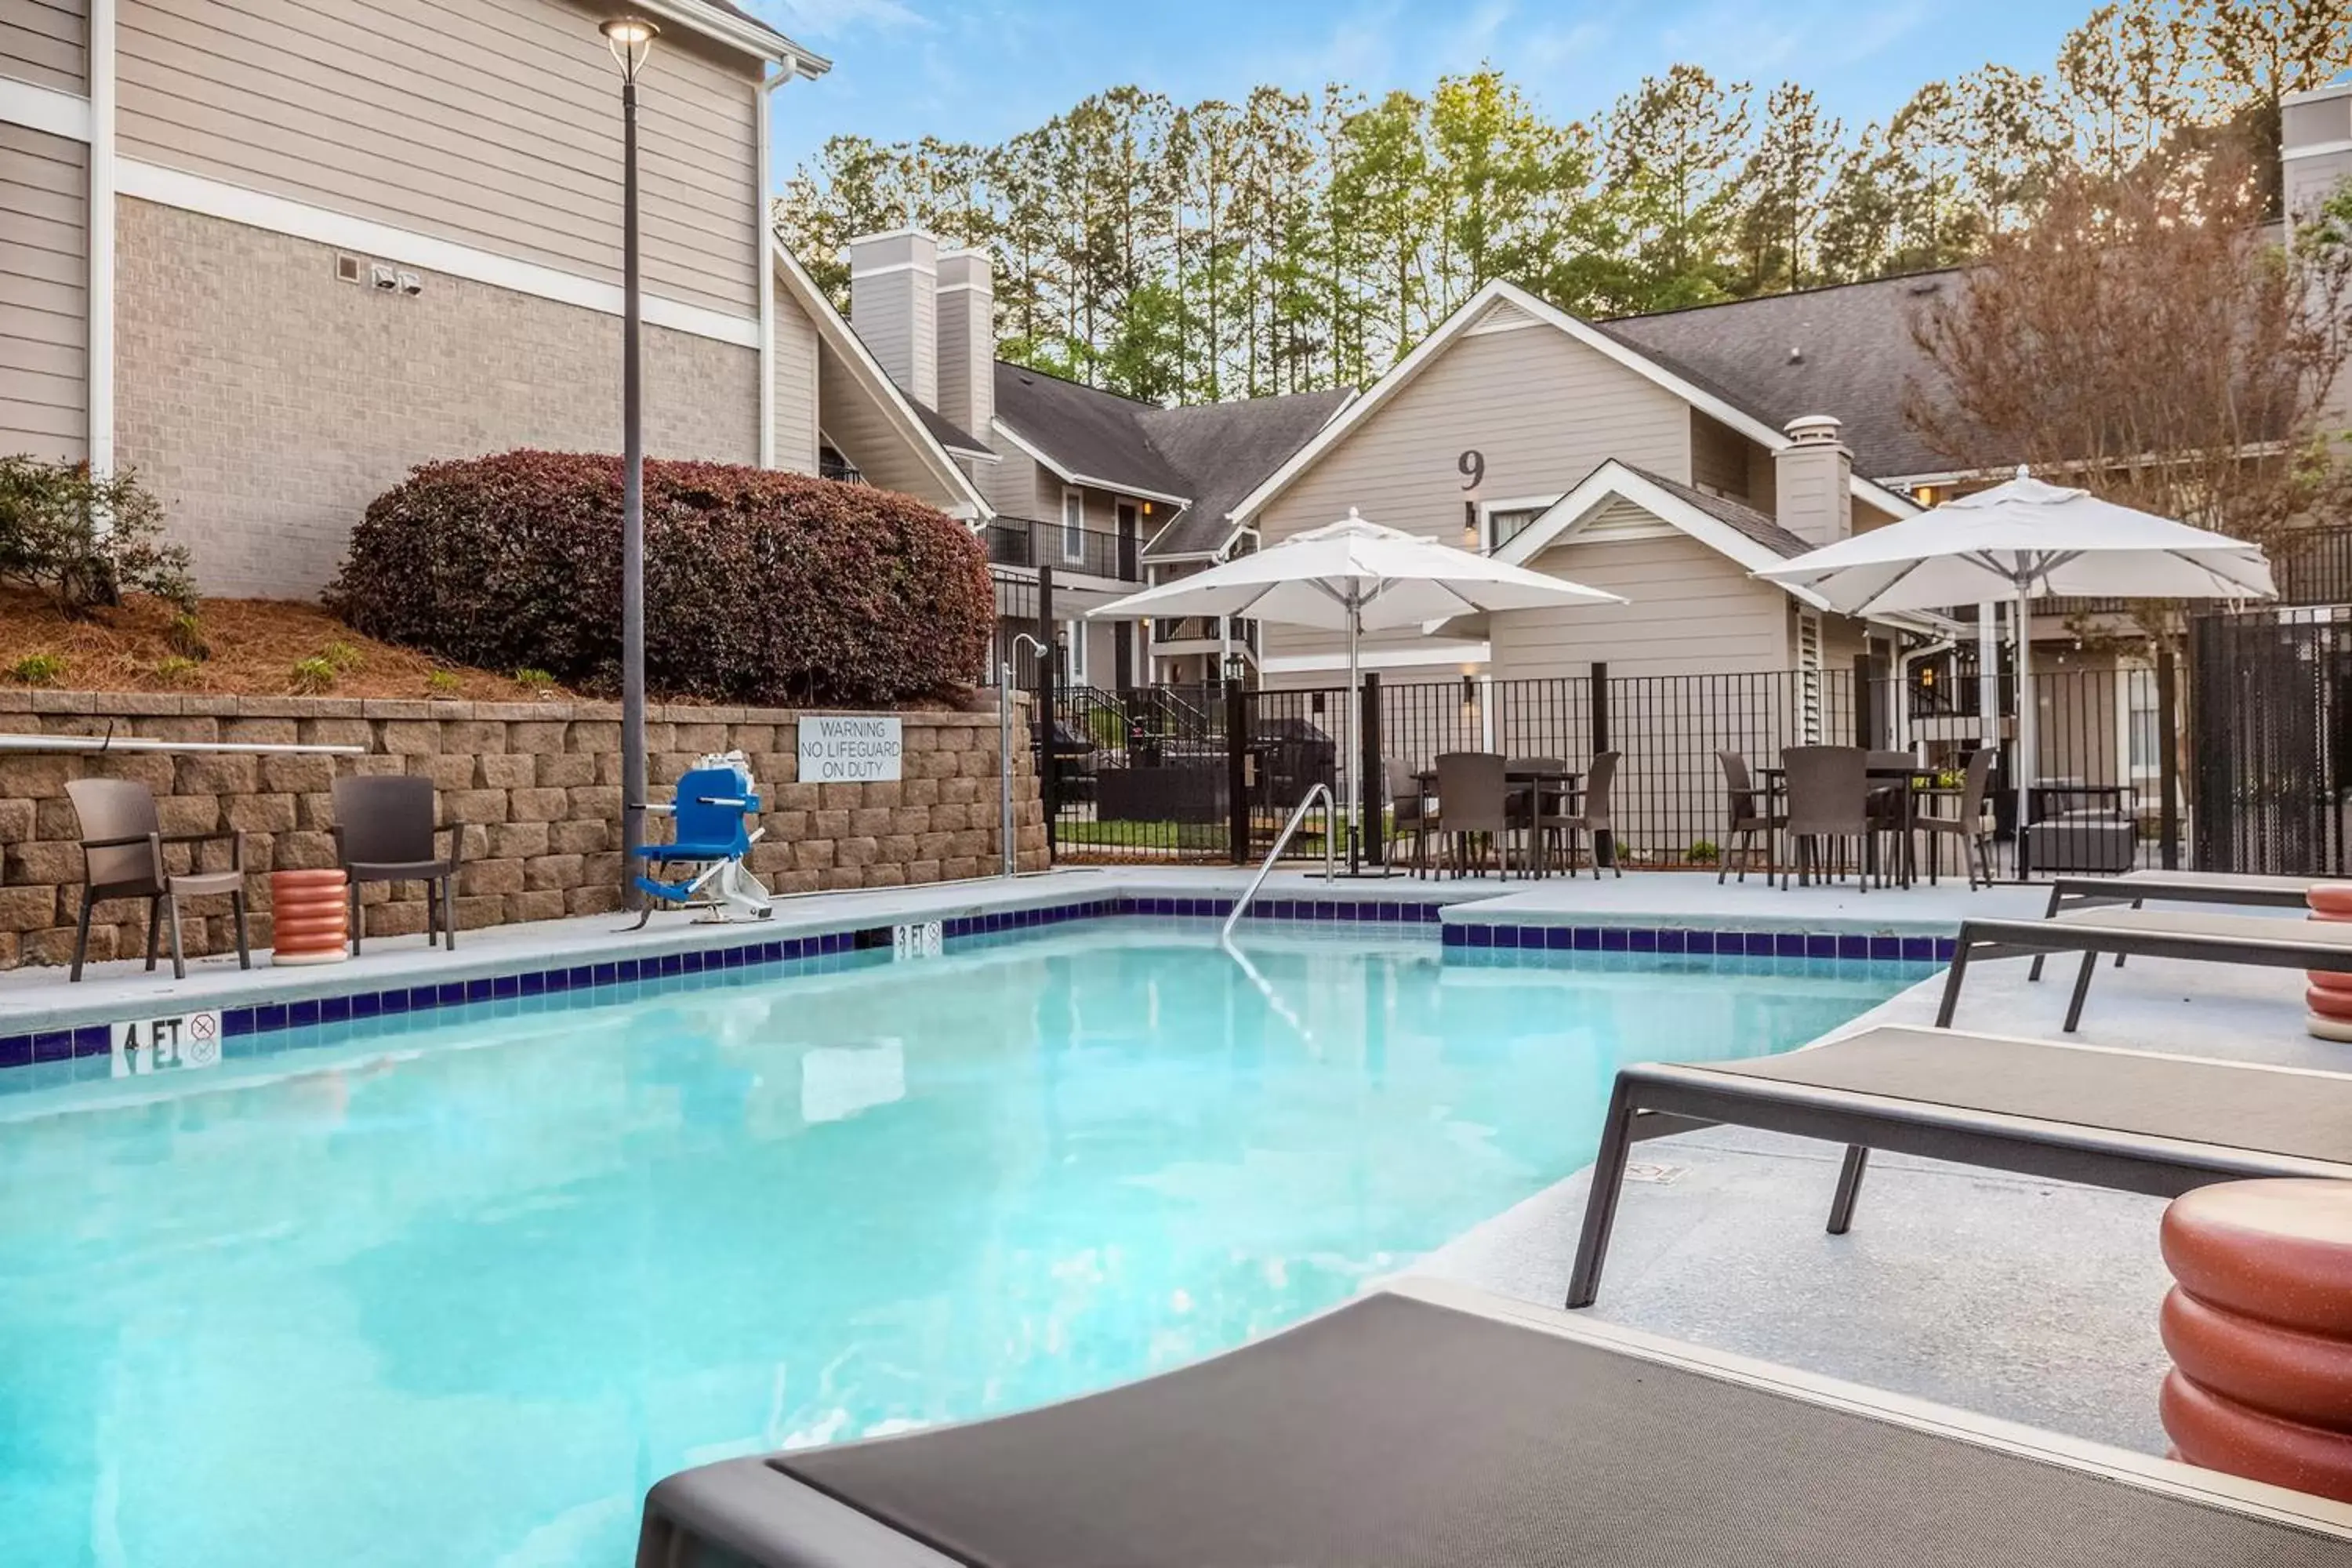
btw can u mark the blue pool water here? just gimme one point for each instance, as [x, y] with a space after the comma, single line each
[457, 1295]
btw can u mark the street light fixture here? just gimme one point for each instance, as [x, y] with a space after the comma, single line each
[631, 39]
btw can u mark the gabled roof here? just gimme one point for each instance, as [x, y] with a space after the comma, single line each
[731, 24]
[1203, 457]
[1845, 350]
[1696, 389]
[1731, 528]
[1085, 435]
[1225, 449]
[950, 433]
[867, 371]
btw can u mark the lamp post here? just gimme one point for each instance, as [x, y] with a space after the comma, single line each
[631, 39]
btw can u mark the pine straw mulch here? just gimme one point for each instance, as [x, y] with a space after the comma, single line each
[255, 645]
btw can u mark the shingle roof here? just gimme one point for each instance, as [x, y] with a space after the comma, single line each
[946, 431]
[1227, 449]
[1843, 351]
[1094, 433]
[1212, 455]
[1763, 530]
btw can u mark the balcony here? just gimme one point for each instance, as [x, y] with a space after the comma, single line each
[1031, 541]
[1203, 630]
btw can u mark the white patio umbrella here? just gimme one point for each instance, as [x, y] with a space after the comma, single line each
[1356, 576]
[2026, 540]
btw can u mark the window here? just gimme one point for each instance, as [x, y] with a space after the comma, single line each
[1503, 521]
[1074, 638]
[1073, 526]
[2143, 734]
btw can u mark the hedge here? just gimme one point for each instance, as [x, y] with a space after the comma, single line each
[760, 587]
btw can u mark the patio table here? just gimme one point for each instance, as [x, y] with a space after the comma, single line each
[1773, 786]
[1568, 783]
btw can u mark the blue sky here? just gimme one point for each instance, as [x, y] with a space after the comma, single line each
[980, 70]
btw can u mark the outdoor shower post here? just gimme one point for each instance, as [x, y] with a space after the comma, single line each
[1374, 789]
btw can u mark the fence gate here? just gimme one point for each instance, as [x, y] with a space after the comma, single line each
[2271, 747]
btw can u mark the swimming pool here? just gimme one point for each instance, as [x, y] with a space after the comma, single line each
[457, 1292]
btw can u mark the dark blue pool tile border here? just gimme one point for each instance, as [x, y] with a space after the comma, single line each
[539, 987]
[1685, 940]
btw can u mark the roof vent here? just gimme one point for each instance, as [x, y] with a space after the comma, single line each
[1814, 430]
[1928, 286]
[1795, 354]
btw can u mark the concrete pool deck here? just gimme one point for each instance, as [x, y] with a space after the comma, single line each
[2028, 1300]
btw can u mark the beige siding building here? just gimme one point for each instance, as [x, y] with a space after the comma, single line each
[271, 253]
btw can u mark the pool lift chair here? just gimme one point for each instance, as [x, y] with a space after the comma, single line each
[703, 866]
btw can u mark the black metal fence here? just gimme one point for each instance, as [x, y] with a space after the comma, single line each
[2272, 727]
[1204, 774]
[1034, 542]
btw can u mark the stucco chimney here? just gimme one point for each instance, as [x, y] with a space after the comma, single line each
[1812, 481]
[967, 315]
[894, 281]
[2314, 145]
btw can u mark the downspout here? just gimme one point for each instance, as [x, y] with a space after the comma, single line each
[99, 376]
[763, 232]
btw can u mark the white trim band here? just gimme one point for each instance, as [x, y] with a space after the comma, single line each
[44, 109]
[1382, 658]
[256, 209]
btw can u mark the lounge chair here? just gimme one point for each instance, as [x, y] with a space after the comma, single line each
[2131, 1120]
[703, 865]
[2136, 888]
[2263, 940]
[1428, 1425]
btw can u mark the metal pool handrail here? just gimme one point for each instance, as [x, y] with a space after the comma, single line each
[1331, 862]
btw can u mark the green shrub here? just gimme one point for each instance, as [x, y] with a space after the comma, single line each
[343, 657]
[84, 541]
[185, 636]
[177, 669]
[313, 675]
[760, 587]
[442, 682]
[38, 669]
[535, 680]
[1704, 853]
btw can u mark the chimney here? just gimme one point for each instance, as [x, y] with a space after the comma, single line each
[2314, 145]
[1813, 493]
[967, 313]
[894, 305]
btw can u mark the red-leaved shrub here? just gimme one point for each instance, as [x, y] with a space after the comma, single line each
[760, 587]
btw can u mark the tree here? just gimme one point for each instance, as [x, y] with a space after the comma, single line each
[2142, 343]
[2257, 52]
[1670, 147]
[1785, 180]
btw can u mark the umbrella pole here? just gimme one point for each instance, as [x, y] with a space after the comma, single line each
[2025, 717]
[1355, 741]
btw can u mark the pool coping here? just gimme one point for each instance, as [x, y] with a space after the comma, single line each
[516, 962]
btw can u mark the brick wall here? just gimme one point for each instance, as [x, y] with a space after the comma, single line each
[536, 787]
[266, 402]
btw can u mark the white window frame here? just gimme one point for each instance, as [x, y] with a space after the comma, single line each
[1074, 527]
[2129, 672]
[1074, 638]
[1487, 509]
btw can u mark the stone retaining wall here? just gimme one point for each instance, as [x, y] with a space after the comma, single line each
[536, 787]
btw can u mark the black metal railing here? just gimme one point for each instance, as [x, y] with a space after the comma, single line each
[1032, 542]
[1168, 629]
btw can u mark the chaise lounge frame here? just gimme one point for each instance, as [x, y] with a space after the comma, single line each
[1816, 1093]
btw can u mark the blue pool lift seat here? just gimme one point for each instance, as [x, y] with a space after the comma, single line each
[703, 867]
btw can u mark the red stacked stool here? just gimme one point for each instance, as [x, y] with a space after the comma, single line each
[2328, 997]
[310, 920]
[2259, 1327]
